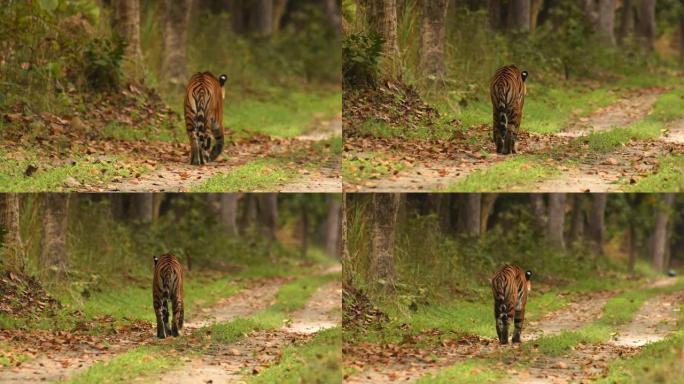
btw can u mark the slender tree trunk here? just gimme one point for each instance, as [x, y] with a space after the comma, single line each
[520, 15]
[305, 231]
[249, 212]
[432, 40]
[439, 203]
[332, 228]
[626, 21]
[238, 15]
[681, 37]
[142, 207]
[469, 214]
[382, 19]
[174, 47]
[632, 245]
[228, 212]
[596, 220]
[13, 247]
[556, 219]
[647, 23]
[606, 21]
[279, 7]
[384, 209]
[332, 12]
[660, 240]
[495, 18]
[539, 210]
[577, 224]
[54, 254]
[262, 17]
[488, 200]
[535, 8]
[347, 266]
[268, 214]
[126, 23]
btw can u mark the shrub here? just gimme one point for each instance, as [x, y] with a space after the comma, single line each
[360, 56]
[102, 63]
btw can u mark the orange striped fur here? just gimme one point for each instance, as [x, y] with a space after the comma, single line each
[167, 285]
[510, 286]
[507, 91]
[204, 116]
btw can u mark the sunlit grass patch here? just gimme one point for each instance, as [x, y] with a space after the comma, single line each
[284, 113]
[317, 361]
[123, 131]
[516, 172]
[261, 174]
[465, 372]
[668, 178]
[606, 141]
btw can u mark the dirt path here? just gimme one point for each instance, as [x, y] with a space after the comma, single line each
[174, 174]
[594, 171]
[260, 349]
[63, 354]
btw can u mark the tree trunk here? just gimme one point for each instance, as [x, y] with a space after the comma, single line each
[347, 266]
[520, 15]
[577, 224]
[384, 209]
[539, 210]
[660, 240]
[556, 219]
[249, 212]
[332, 228]
[142, 207]
[126, 23]
[382, 19]
[13, 248]
[535, 8]
[647, 23]
[262, 17]
[596, 219]
[224, 207]
[488, 200]
[681, 37]
[432, 40]
[606, 21]
[626, 21]
[469, 214]
[494, 8]
[238, 15]
[632, 246]
[54, 255]
[305, 231]
[332, 12]
[174, 47]
[279, 7]
[268, 214]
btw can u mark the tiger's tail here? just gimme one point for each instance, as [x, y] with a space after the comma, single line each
[218, 145]
[502, 123]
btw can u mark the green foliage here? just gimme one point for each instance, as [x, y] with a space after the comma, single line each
[515, 173]
[102, 63]
[670, 177]
[258, 175]
[360, 57]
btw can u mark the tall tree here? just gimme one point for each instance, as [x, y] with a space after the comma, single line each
[535, 8]
[681, 36]
[384, 211]
[520, 15]
[142, 207]
[347, 271]
[556, 219]
[647, 23]
[54, 255]
[224, 206]
[332, 12]
[174, 47]
[660, 243]
[267, 204]
[332, 227]
[381, 16]
[262, 17]
[494, 8]
[488, 201]
[126, 23]
[596, 222]
[626, 20]
[432, 40]
[469, 213]
[606, 20]
[539, 210]
[577, 221]
[13, 248]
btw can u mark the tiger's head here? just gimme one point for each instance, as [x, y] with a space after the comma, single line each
[528, 275]
[222, 80]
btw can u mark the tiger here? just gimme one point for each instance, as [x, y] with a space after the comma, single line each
[203, 111]
[510, 286]
[167, 284]
[507, 91]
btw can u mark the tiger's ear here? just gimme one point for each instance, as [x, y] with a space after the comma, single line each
[528, 274]
[155, 258]
[223, 79]
[524, 75]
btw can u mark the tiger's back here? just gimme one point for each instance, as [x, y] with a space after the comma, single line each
[203, 112]
[510, 286]
[507, 91]
[167, 285]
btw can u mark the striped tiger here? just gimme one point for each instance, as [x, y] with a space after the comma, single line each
[167, 285]
[203, 112]
[510, 286]
[507, 91]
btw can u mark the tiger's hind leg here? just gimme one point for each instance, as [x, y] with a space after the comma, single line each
[165, 312]
[194, 150]
[177, 323]
[501, 324]
[518, 324]
[158, 312]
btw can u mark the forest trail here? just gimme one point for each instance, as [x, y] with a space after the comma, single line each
[172, 173]
[260, 349]
[63, 354]
[406, 364]
[576, 170]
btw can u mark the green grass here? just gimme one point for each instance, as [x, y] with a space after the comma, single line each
[262, 174]
[284, 113]
[317, 361]
[372, 165]
[123, 131]
[668, 178]
[126, 367]
[48, 177]
[516, 172]
[465, 372]
[379, 128]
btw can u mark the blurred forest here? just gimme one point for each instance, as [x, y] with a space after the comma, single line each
[455, 241]
[84, 77]
[87, 240]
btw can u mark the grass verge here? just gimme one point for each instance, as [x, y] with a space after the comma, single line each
[516, 172]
